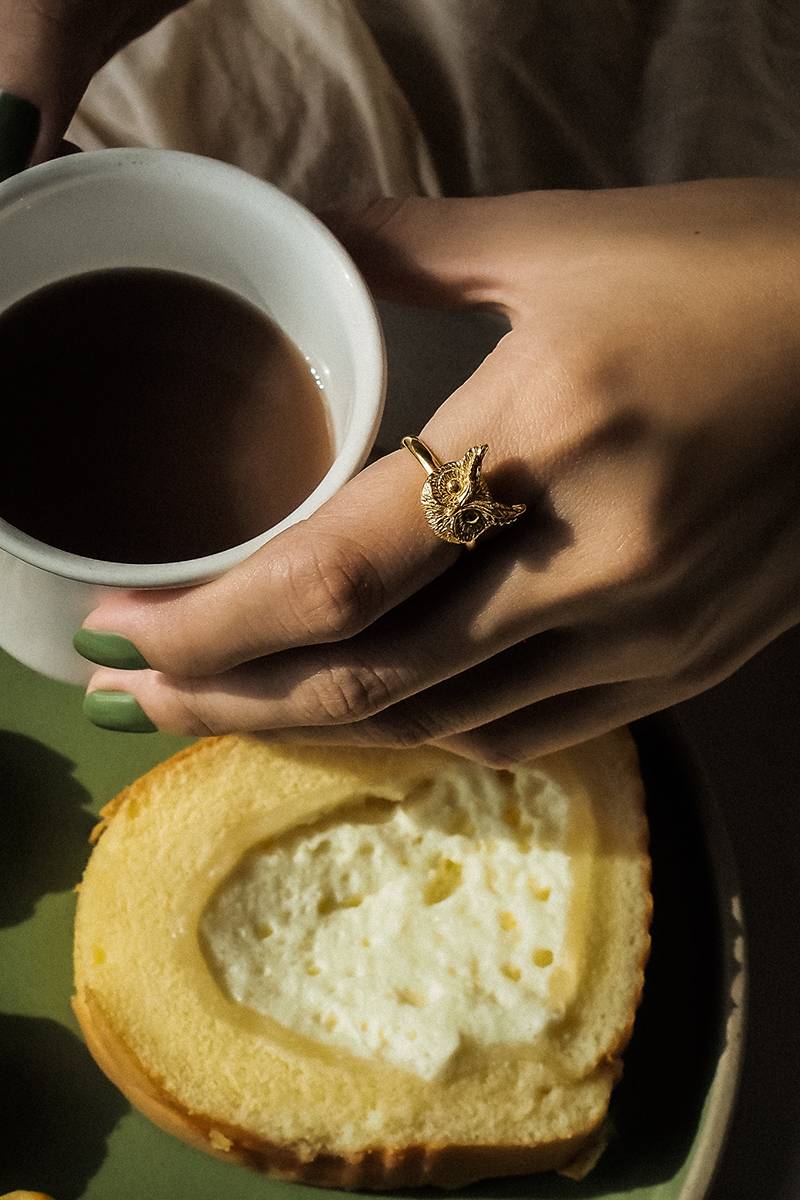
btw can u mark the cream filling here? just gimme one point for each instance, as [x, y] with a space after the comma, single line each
[403, 931]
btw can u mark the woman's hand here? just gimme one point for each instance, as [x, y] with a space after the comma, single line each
[49, 51]
[645, 406]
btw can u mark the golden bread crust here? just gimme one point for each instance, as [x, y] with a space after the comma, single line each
[377, 1170]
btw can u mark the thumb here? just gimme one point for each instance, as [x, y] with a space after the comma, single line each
[419, 250]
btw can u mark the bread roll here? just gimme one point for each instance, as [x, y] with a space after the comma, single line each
[365, 968]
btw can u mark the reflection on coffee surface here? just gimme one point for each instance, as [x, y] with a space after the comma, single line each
[153, 417]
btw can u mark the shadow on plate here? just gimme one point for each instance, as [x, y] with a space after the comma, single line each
[44, 846]
[61, 1110]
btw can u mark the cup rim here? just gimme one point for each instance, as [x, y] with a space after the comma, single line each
[355, 448]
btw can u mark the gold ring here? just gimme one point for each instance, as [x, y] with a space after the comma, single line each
[456, 501]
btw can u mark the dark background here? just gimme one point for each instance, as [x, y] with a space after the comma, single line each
[747, 733]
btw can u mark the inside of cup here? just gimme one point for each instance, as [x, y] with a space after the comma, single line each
[191, 215]
[179, 212]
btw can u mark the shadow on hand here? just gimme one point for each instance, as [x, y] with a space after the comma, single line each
[56, 1111]
[45, 831]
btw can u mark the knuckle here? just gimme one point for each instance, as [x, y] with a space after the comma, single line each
[687, 653]
[609, 459]
[704, 667]
[639, 644]
[694, 678]
[344, 695]
[681, 642]
[598, 375]
[501, 757]
[193, 715]
[639, 558]
[383, 213]
[662, 655]
[333, 590]
[407, 728]
[666, 653]
[489, 748]
[629, 555]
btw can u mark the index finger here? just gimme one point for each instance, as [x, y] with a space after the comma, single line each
[327, 578]
[362, 553]
[322, 580]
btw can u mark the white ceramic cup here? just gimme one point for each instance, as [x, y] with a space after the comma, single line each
[181, 212]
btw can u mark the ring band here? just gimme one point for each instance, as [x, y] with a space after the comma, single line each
[457, 503]
[423, 454]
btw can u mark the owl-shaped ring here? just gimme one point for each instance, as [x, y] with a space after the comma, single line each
[457, 503]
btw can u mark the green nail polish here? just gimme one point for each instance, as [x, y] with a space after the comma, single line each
[117, 710]
[109, 650]
[19, 129]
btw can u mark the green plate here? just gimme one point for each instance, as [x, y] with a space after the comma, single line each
[66, 1131]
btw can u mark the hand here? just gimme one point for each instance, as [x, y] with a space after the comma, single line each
[49, 51]
[646, 407]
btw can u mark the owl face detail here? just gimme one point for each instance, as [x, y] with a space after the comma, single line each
[457, 503]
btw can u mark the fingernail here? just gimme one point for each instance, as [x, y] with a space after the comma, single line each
[109, 650]
[117, 710]
[19, 129]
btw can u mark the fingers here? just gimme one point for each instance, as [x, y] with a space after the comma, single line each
[49, 53]
[463, 251]
[338, 686]
[365, 701]
[369, 548]
[420, 250]
[321, 580]
[329, 577]
[425, 251]
[38, 68]
[481, 605]
[563, 721]
[542, 728]
[551, 664]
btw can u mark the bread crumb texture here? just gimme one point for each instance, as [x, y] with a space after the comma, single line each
[408, 933]
[296, 957]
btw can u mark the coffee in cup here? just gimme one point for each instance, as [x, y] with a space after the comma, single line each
[162, 420]
[156, 417]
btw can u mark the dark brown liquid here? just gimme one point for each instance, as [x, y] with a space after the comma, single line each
[149, 416]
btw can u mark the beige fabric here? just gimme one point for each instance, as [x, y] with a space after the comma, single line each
[296, 93]
[340, 100]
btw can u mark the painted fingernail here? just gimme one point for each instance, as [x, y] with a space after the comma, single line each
[117, 710]
[109, 650]
[19, 129]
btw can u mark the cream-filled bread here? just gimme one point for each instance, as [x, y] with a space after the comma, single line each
[369, 968]
[339, 933]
